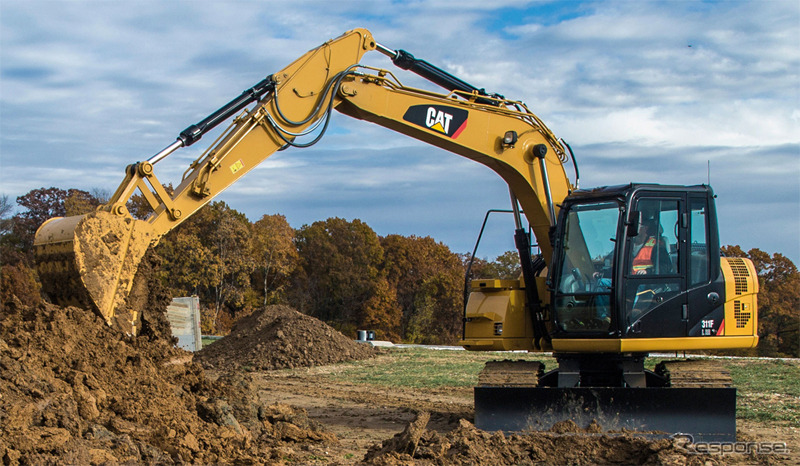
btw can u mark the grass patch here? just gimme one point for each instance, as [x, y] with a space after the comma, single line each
[768, 390]
[208, 341]
[426, 368]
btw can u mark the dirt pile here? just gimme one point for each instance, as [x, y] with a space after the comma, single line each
[74, 391]
[565, 444]
[279, 337]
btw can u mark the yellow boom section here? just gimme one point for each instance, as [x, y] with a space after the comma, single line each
[483, 128]
[100, 252]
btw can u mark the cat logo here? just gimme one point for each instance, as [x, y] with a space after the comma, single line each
[449, 121]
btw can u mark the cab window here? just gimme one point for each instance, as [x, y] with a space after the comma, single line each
[585, 282]
[654, 250]
[652, 258]
[698, 252]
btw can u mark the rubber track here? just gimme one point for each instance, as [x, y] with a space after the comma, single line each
[695, 373]
[510, 373]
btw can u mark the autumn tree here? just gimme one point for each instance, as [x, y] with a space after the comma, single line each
[210, 255]
[226, 232]
[341, 281]
[138, 206]
[79, 202]
[428, 279]
[37, 206]
[506, 266]
[41, 204]
[381, 311]
[275, 256]
[7, 246]
[188, 266]
[778, 301]
[102, 195]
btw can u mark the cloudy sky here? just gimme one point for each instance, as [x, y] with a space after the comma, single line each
[675, 92]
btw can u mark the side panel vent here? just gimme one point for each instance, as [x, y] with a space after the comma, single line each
[740, 274]
[742, 317]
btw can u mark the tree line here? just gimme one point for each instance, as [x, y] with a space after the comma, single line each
[407, 288]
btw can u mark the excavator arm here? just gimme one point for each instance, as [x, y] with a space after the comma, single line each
[100, 252]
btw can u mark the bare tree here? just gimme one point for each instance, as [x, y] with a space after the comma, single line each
[5, 215]
[101, 194]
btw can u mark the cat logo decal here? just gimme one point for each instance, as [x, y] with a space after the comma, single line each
[449, 121]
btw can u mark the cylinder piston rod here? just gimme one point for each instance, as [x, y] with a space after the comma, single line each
[539, 151]
[434, 74]
[168, 150]
[194, 132]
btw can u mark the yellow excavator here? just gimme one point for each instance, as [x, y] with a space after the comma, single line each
[620, 272]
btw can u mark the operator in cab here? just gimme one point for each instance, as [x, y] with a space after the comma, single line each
[644, 245]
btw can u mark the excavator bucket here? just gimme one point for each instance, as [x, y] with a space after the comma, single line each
[90, 260]
[704, 414]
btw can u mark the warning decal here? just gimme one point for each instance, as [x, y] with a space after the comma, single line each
[238, 165]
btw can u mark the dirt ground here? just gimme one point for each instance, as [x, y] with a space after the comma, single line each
[75, 391]
[279, 337]
[363, 417]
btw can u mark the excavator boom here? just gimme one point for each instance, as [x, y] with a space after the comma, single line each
[92, 259]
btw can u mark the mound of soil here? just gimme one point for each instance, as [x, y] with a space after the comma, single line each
[566, 444]
[75, 391]
[279, 337]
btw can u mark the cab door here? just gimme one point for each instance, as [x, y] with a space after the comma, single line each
[706, 286]
[654, 298]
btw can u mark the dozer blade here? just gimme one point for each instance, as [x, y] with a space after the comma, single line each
[90, 260]
[707, 414]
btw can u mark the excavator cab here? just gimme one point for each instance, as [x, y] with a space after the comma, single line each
[622, 264]
[637, 268]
